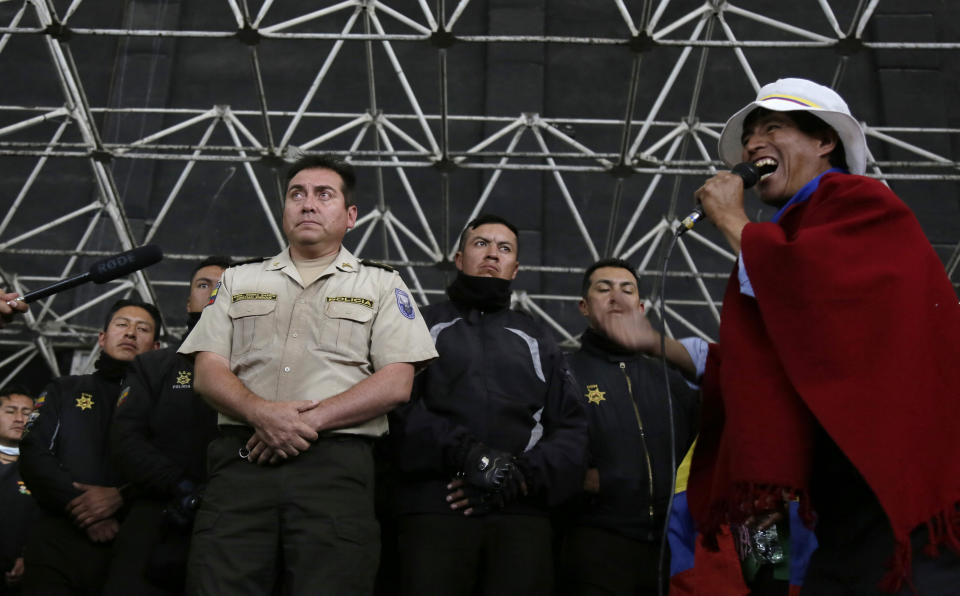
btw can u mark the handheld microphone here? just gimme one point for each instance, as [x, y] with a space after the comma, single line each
[103, 271]
[750, 175]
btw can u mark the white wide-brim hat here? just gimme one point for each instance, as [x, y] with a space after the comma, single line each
[791, 95]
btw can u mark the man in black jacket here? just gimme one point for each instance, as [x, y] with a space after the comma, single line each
[492, 436]
[17, 508]
[159, 441]
[65, 460]
[612, 543]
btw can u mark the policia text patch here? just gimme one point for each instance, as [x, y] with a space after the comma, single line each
[352, 300]
[253, 296]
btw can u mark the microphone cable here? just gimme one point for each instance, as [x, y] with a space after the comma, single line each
[661, 309]
[750, 174]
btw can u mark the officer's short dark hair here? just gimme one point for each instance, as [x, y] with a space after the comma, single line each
[327, 162]
[611, 262]
[14, 389]
[151, 309]
[488, 218]
[809, 125]
[220, 261]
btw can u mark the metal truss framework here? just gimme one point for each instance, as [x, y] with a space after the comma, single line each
[398, 143]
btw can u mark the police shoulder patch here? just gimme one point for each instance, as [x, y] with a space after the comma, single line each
[405, 304]
[213, 294]
[370, 263]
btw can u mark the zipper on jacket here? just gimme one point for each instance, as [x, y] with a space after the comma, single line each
[643, 438]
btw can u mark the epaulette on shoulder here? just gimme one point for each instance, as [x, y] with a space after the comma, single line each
[370, 263]
[250, 261]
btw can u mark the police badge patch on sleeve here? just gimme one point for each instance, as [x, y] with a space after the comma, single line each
[405, 304]
[213, 295]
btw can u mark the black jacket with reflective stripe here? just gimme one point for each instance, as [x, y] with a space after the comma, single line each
[500, 379]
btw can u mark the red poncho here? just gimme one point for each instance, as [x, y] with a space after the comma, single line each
[855, 326]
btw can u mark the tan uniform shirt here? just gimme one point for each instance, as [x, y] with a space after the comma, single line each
[287, 343]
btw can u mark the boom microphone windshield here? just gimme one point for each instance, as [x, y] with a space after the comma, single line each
[103, 271]
[125, 263]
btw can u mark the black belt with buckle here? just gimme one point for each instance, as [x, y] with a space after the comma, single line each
[244, 432]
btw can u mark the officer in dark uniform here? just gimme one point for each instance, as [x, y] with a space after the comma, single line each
[493, 436]
[17, 508]
[65, 460]
[612, 542]
[158, 441]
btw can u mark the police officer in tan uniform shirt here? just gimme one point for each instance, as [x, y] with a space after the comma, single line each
[303, 355]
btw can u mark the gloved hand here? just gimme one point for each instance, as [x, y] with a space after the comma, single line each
[513, 485]
[472, 500]
[182, 508]
[487, 468]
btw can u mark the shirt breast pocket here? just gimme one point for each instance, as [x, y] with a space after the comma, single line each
[253, 325]
[345, 331]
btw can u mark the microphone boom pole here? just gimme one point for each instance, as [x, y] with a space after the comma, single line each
[103, 271]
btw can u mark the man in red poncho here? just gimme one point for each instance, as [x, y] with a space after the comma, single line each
[835, 379]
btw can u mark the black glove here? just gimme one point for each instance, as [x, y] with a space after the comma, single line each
[487, 468]
[182, 508]
[480, 501]
[513, 486]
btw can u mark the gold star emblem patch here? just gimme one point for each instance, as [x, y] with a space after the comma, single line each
[183, 377]
[594, 395]
[85, 401]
